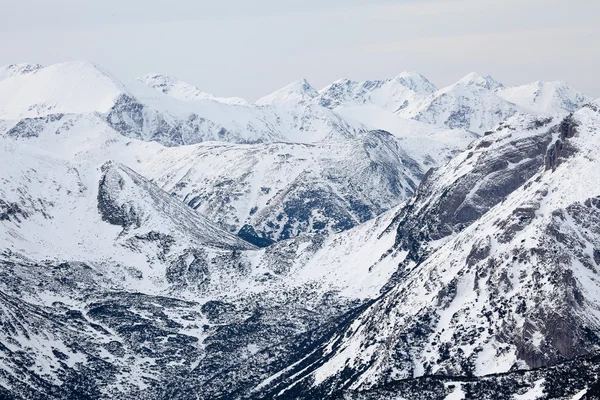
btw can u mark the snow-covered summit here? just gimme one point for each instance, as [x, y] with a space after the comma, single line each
[71, 87]
[299, 91]
[465, 105]
[476, 79]
[545, 97]
[390, 94]
[415, 82]
[182, 90]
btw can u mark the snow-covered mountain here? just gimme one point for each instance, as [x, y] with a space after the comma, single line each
[467, 104]
[142, 112]
[475, 102]
[338, 251]
[104, 275]
[299, 92]
[390, 94]
[183, 91]
[282, 190]
[514, 289]
[475, 79]
[545, 97]
[271, 190]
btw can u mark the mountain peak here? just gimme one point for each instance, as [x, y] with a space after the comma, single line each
[475, 79]
[174, 87]
[297, 91]
[416, 82]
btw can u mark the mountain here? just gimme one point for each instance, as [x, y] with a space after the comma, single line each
[299, 92]
[104, 275]
[139, 111]
[183, 91]
[545, 97]
[512, 291]
[475, 79]
[272, 191]
[467, 104]
[308, 254]
[282, 190]
[390, 94]
[475, 103]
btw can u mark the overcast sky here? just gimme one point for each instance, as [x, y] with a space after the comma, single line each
[250, 48]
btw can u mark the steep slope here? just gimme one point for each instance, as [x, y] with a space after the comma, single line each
[518, 288]
[183, 91]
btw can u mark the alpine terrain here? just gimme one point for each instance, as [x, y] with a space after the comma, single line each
[384, 239]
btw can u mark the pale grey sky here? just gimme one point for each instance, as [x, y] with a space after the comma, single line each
[250, 48]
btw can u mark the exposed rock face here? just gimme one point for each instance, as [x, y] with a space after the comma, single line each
[451, 198]
[248, 233]
[561, 148]
[112, 211]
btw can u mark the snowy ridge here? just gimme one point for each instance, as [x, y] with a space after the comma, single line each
[138, 111]
[183, 91]
[300, 92]
[475, 79]
[545, 97]
[391, 94]
[283, 190]
[462, 105]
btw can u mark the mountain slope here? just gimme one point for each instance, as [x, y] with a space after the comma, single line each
[283, 190]
[112, 288]
[518, 288]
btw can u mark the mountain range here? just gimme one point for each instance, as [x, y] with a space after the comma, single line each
[370, 240]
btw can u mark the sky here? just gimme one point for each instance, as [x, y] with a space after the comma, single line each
[251, 48]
